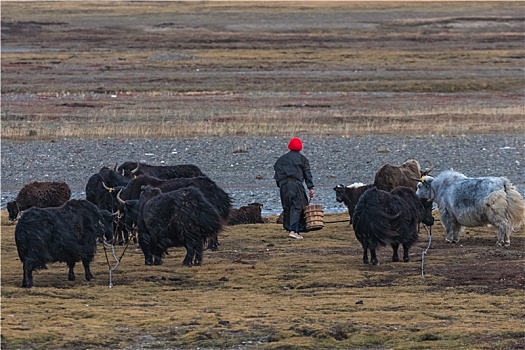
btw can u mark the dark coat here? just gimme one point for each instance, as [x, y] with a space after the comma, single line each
[291, 171]
[390, 218]
[178, 218]
[67, 234]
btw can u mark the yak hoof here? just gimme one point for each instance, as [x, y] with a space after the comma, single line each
[406, 259]
[89, 277]
[395, 259]
[375, 262]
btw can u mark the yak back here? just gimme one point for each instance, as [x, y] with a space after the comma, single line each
[66, 233]
[43, 194]
[380, 217]
[135, 169]
[247, 214]
[173, 218]
[390, 176]
[211, 191]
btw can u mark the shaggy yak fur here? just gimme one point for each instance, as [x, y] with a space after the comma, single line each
[389, 176]
[40, 195]
[247, 214]
[214, 194]
[382, 218]
[67, 234]
[134, 169]
[173, 219]
[472, 202]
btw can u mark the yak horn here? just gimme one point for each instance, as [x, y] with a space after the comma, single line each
[120, 199]
[429, 169]
[107, 188]
[136, 169]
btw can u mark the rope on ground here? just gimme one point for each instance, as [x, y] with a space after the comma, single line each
[111, 269]
[425, 251]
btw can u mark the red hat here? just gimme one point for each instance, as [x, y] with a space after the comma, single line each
[295, 144]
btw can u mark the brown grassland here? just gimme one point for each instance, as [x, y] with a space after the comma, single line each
[184, 69]
[263, 290]
[179, 69]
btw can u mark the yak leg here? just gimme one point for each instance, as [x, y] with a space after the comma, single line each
[190, 253]
[395, 257]
[373, 256]
[365, 251]
[157, 253]
[145, 246]
[87, 272]
[71, 273]
[406, 257]
[451, 226]
[198, 253]
[503, 234]
[27, 280]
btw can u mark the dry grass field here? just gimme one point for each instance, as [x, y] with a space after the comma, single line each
[263, 290]
[186, 69]
[182, 69]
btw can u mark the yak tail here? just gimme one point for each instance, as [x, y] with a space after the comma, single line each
[507, 206]
[371, 222]
[515, 207]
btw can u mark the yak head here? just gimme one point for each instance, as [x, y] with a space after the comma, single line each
[424, 188]
[106, 224]
[428, 218]
[341, 191]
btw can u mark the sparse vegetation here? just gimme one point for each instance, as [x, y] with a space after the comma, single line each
[262, 290]
[343, 68]
[138, 69]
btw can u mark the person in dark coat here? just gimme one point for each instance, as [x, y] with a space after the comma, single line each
[292, 171]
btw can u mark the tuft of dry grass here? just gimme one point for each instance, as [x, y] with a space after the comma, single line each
[262, 290]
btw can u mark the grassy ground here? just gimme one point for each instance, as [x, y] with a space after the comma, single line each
[264, 290]
[137, 69]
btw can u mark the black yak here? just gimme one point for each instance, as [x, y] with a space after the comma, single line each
[40, 195]
[67, 234]
[247, 214]
[180, 218]
[99, 191]
[135, 169]
[214, 194]
[349, 195]
[382, 218]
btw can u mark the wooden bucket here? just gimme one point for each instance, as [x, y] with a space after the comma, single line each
[314, 217]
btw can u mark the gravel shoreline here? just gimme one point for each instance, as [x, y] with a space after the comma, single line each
[243, 166]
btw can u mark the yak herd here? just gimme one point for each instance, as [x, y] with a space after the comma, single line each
[179, 206]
